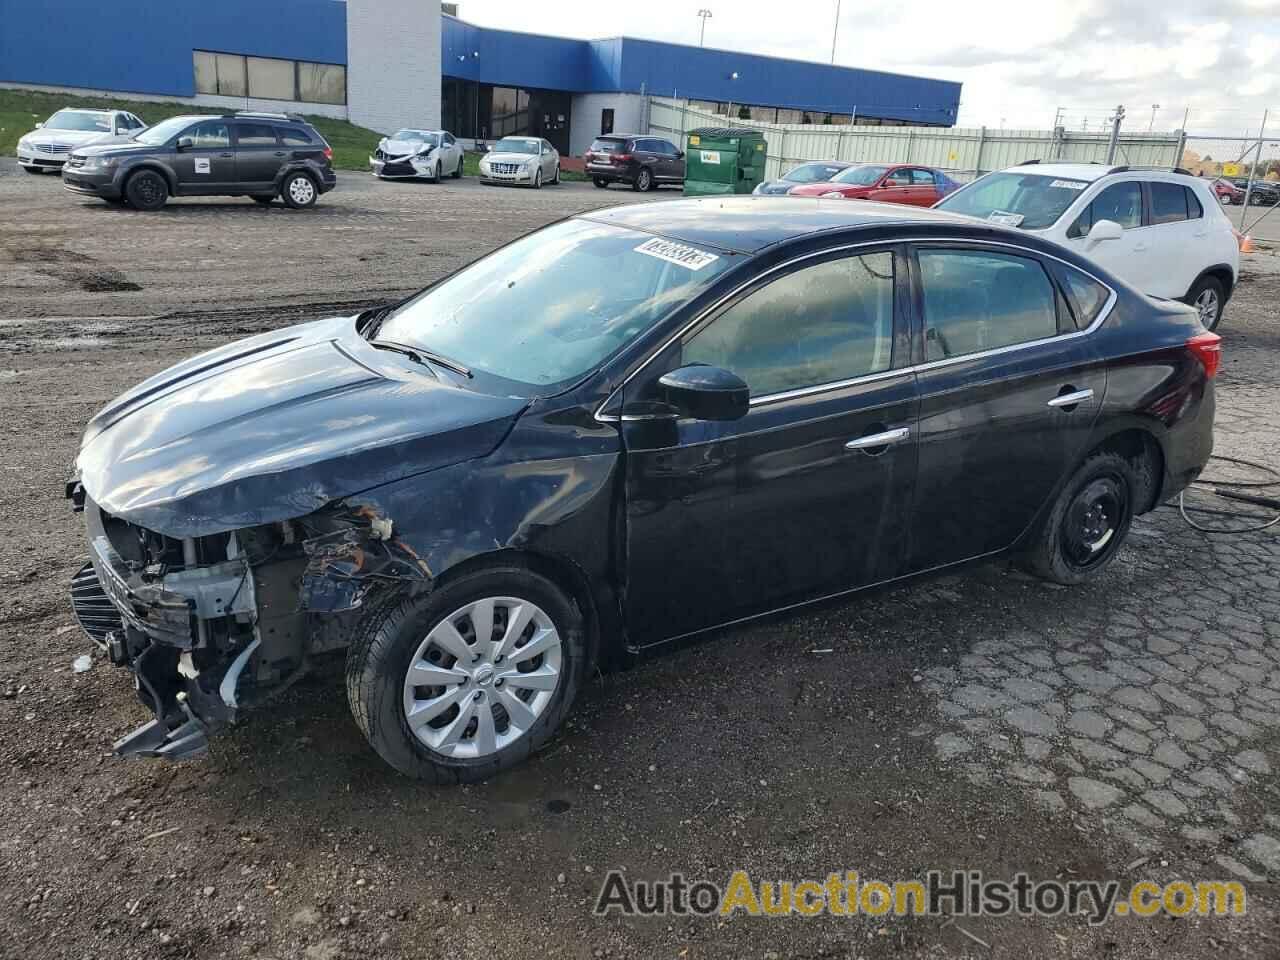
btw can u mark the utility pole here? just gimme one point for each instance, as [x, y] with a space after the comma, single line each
[1155, 108]
[1114, 143]
[704, 15]
[835, 31]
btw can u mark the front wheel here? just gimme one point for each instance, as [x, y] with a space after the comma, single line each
[1208, 298]
[299, 191]
[146, 190]
[537, 179]
[644, 181]
[1088, 522]
[457, 171]
[556, 179]
[469, 680]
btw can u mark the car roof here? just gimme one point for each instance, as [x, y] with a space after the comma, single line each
[748, 224]
[89, 110]
[1093, 172]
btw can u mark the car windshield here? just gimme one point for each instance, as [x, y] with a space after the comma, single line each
[863, 176]
[428, 138]
[1027, 200]
[813, 172]
[163, 131]
[518, 145]
[71, 120]
[554, 305]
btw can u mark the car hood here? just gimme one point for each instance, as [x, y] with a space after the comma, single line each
[45, 135]
[818, 189]
[274, 427]
[116, 147]
[398, 148]
[509, 157]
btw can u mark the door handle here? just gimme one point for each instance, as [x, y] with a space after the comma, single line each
[879, 439]
[1139, 248]
[1071, 399]
[281, 153]
[227, 155]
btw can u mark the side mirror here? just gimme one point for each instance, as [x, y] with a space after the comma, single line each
[185, 143]
[39, 124]
[706, 393]
[1103, 230]
[679, 154]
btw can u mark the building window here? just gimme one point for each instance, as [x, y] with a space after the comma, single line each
[268, 78]
[606, 121]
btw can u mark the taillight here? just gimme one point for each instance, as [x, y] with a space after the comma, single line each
[624, 157]
[1208, 349]
[328, 152]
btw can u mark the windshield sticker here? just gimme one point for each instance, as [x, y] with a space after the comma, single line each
[689, 257]
[1069, 184]
[711, 156]
[1008, 219]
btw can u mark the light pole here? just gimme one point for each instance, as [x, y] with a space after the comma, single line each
[1155, 108]
[704, 14]
[835, 31]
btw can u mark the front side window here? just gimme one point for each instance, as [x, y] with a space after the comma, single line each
[1121, 202]
[821, 324]
[210, 135]
[864, 175]
[899, 178]
[813, 173]
[552, 306]
[976, 301]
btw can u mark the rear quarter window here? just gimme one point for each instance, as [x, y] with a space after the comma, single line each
[294, 137]
[1085, 295]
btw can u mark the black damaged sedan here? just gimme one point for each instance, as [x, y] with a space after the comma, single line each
[626, 429]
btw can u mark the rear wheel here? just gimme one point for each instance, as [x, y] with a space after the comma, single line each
[1088, 522]
[1208, 298]
[146, 190]
[457, 171]
[469, 680]
[556, 179]
[299, 190]
[600, 182]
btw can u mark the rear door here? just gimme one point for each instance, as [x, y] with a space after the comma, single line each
[259, 155]
[1009, 392]
[209, 164]
[1177, 238]
[923, 189]
[805, 496]
[644, 154]
[672, 162]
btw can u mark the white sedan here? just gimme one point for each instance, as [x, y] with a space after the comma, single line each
[48, 146]
[526, 161]
[421, 154]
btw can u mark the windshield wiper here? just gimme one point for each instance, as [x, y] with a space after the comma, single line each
[373, 319]
[418, 355]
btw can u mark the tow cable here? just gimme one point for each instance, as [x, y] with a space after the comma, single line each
[1231, 489]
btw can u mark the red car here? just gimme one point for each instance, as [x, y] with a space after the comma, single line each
[888, 183]
[1227, 192]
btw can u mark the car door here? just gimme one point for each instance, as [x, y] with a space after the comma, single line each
[672, 163]
[259, 155]
[1176, 239]
[894, 187]
[642, 155]
[453, 162]
[1130, 257]
[923, 189]
[806, 495]
[204, 160]
[1009, 392]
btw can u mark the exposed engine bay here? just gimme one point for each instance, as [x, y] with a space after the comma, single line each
[211, 626]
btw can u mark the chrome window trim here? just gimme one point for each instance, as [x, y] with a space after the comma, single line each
[867, 378]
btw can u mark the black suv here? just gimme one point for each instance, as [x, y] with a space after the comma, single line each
[261, 155]
[644, 162]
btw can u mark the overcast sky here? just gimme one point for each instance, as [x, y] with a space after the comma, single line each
[1018, 62]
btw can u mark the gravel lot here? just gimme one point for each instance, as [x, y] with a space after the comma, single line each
[985, 721]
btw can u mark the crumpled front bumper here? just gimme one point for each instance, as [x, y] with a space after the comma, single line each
[402, 167]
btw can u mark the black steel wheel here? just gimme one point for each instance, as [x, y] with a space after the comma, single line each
[146, 190]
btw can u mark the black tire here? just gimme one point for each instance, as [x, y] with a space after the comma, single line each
[1073, 545]
[146, 190]
[555, 181]
[537, 179]
[457, 171]
[295, 194]
[36, 170]
[600, 182]
[266, 199]
[644, 181]
[387, 640]
[1209, 288]
[439, 172]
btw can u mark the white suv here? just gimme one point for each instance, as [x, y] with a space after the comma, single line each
[1161, 231]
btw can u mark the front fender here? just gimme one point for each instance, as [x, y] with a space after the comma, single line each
[127, 169]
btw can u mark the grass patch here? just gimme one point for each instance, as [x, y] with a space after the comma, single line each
[21, 110]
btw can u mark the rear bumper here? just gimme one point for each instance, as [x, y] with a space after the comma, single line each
[607, 171]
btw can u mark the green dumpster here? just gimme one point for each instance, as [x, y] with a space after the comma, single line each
[723, 160]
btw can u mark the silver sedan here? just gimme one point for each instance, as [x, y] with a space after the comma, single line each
[525, 161]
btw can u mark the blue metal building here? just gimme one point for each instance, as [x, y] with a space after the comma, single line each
[348, 58]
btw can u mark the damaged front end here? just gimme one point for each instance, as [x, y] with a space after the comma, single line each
[211, 626]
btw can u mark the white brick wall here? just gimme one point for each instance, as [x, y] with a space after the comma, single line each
[393, 63]
[584, 123]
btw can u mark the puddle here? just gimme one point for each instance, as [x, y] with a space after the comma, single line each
[72, 343]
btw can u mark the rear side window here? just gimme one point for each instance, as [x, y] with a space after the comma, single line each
[821, 324]
[1086, 295]
[256, 135]
[922, 178]
[899, 178]
[1168, 202]
[295, 137]
[976, 301]
[1121, 202]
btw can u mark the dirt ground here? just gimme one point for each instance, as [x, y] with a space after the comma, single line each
[984, 721]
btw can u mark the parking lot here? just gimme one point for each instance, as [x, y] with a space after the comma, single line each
[983, 721]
